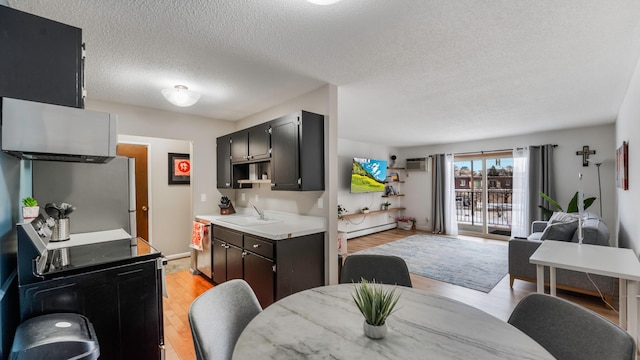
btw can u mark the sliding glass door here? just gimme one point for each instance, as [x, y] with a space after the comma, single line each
[483, 186]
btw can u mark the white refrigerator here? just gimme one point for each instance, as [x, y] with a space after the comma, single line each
[103, 194]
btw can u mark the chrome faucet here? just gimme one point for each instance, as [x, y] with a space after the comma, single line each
[260, 213]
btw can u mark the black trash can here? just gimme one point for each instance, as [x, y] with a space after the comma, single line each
[55, 336]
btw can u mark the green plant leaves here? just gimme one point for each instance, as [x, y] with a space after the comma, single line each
[571, 208]
[375, 303]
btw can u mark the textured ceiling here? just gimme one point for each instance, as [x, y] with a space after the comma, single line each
[408, 72]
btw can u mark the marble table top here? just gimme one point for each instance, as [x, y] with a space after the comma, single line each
[324, 323]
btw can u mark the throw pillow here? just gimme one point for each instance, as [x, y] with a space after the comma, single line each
[560, 231]
[563, 217]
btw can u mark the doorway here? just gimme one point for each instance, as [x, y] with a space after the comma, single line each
[483, 193]
[141, 154]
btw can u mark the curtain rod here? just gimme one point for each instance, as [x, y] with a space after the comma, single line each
[497, 151]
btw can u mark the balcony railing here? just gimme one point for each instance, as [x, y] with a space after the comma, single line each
[469, 207]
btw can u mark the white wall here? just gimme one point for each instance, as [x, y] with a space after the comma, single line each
[347, 150]
[628, 129]
[170, 206]
[567, 167]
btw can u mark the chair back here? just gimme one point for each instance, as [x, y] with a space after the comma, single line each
[218, 316]
[384, 269]
[569, 331]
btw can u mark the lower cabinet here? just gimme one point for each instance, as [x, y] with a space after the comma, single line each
[273, 268]
[123, 303]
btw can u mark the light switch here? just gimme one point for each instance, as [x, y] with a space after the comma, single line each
[203, 197]
[244, 197]
[257, 198]
[320, 203]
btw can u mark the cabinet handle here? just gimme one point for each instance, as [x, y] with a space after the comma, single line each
[255, 246]
[244, 253]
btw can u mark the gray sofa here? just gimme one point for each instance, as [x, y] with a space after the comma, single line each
[562, 228]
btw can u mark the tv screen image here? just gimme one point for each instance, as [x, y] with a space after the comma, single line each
[368, 175]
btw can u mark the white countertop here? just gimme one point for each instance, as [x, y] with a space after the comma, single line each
[287, 226]
[89, 238]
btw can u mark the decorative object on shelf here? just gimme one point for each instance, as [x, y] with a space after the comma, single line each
[30, 210]
[265, 176]
[394, 177]
[406, 222]
[585, 154]
[571, 208]
[341, 210]
[622, 166]
[179, 169]
[376, 304]
[181, 96]
[365, 210]
[226, 207]
[385, 205]
[389, 190]
[393, 160]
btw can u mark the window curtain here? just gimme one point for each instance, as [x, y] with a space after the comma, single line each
[444, 216]
[520, 214]
[532, 174]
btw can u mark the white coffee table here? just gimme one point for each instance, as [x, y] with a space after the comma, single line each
[594, 259]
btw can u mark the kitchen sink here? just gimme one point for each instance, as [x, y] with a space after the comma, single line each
[249, 221]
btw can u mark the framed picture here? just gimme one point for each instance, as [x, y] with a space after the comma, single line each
[179, 169]
[622, 166]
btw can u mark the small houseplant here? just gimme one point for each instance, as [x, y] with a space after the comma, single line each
[30, 210]
[385, 205]
[365, 210]
[393, 160]
[571, 208]
[376, 304]
[341, 210]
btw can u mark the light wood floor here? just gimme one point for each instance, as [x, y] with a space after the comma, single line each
[183, 288]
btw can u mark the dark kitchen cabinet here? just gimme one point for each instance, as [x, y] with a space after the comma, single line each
[227, 254]
[223, 162]
[123, 303]
[252, 144]
[42, 60]
[273, 268]
[297, 152]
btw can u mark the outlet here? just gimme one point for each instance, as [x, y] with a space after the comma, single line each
[320, 203]
[257, 198]
[203, 197]
[243, 196]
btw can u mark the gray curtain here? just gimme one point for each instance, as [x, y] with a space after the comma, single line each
[439, 178]
[540, 178]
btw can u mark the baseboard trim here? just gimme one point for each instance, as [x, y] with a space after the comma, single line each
[178, 256]
[371, 230]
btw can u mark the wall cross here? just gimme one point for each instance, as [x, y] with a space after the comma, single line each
[585, 155]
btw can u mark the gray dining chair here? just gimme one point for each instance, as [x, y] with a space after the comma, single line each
[384, 269]
[218, 316]
[569, 331]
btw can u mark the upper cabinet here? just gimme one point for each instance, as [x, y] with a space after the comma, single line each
[223, 159]
[42, 60]
[297, 152]
[251, 144]
[288, 150]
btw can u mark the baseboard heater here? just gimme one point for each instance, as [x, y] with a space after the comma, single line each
[370, 230]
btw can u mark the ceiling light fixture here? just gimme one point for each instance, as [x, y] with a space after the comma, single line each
[323, 2]
[181, 96]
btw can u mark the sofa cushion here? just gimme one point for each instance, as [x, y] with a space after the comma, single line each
[560, 230]
[559, 216]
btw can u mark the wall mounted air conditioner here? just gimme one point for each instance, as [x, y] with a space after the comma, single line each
[417, 164]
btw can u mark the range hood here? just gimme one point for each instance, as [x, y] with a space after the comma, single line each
[38, 131]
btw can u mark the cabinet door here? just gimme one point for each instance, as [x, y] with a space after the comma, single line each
[239, 146]
[223, 162]
[258, 273]
[259, 142]
[285, 163]
[234, 262]
[41, 59]
[219, 250]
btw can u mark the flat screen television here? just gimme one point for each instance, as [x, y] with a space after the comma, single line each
[368, 175]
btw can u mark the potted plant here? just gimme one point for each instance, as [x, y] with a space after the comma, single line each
[376, 304]
[341, 210]
[385, 205]
[30, 210]
[393, 160]
[365, 210]
[571, 208]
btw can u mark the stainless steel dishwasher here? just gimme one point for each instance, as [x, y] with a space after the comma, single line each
[203, 258]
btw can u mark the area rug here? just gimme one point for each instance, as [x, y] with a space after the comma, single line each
[474, 265]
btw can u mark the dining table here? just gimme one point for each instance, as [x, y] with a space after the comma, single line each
[325, 323]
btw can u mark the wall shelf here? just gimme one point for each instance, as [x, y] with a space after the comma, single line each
[376, 212]
[391, 196]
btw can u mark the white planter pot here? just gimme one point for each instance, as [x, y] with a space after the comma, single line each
[30, 212]
[374, 332]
